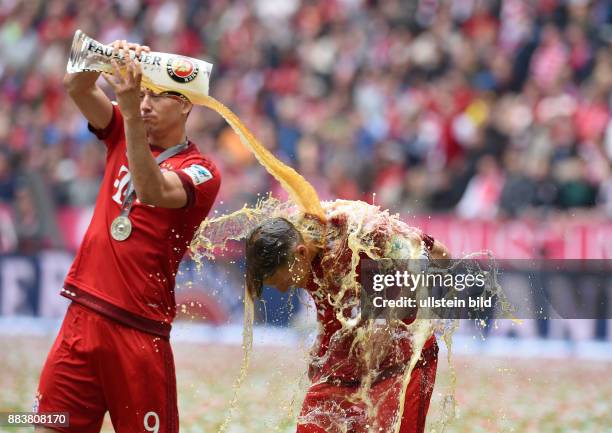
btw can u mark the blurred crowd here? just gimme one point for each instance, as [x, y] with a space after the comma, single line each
[481, 108]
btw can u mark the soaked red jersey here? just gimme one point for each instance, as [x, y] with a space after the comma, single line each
[334, 357]
[132, 281]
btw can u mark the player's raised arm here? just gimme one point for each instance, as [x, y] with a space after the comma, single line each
[89, 97]
[165, 116]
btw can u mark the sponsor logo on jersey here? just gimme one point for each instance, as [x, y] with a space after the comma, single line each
[121, 183]
[181, 69]
[198, 174]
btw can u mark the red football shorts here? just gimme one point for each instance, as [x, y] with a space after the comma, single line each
[329, 408]
[97, 364]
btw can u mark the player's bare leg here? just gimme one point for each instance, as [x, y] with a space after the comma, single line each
[39, 429]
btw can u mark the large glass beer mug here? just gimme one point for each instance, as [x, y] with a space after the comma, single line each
[161, 72]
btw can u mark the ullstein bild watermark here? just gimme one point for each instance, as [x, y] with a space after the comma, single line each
[487, 289]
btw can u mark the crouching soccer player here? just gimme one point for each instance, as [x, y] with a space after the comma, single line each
[280, 256]
[112, 352]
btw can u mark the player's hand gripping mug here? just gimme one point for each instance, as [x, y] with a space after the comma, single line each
[161, 72]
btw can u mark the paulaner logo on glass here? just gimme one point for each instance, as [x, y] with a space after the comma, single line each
[107, 51]
[413, 280]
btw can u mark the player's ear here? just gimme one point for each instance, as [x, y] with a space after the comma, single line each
[301, 251]
[186, 109]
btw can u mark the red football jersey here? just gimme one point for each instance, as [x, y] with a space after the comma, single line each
[133, 280]
[334, 354]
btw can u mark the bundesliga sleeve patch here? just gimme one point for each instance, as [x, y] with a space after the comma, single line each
[198, 174]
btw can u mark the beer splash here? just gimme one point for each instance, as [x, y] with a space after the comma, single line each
[363, 220]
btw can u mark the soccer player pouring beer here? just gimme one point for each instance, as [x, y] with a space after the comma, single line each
[112, 352]
[280, 253]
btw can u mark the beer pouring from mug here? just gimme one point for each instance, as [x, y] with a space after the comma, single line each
[161, 72]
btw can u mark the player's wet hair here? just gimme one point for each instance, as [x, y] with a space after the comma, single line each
[269, 247]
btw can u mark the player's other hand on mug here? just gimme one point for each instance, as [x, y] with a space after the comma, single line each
[125, 82]
[122, 47]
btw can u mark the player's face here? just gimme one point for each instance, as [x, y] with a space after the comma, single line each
[162, 113]
[292, 275]
[281, 280]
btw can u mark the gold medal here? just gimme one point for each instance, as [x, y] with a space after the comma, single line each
[121, 228]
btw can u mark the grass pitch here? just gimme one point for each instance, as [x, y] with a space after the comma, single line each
[494, 394]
